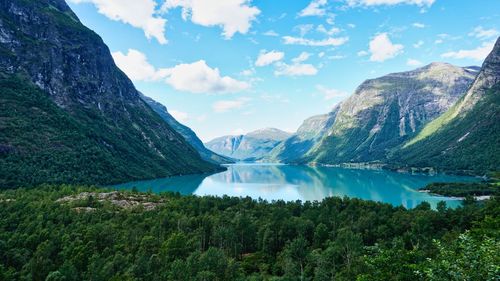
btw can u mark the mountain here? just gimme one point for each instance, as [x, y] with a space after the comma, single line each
[385, 112]
[69, 115]
[307, 136]
[467, 136]
[250, 147]
[186, 132]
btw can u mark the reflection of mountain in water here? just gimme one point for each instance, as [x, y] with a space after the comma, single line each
[274, 182]
[183, 184]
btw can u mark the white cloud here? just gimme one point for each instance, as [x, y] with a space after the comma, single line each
[302, 57]
[420, 3]
[136, 66]
[196, 77]
[227, 105]
[296, 69]
[362, 53]
[419, 44]
[381, 48]
[179, 115]
[315, 8]
[418, 25]
[351, 25]
[413, 62]
[269, 58]
[232, 15]
[137, 13]
[481, 33]
[321, 28]
[321, 54]
[289, 40]
[304, 28]
[271, 33]
[330, 94]
[438, 41]
[479, 53]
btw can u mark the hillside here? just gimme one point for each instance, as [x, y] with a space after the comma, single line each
[385, 112]
[466, 137]
[43, 45]
[186, 132]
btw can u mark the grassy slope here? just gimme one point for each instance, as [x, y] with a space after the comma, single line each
[41, 143]
[479, 148]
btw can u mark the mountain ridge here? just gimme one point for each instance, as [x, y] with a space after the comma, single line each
[44, 44]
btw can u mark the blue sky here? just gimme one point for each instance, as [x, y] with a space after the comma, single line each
[233, 66]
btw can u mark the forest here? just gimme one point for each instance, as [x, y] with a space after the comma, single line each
[209, 238]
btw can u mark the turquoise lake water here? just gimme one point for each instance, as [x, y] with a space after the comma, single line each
[285, 182]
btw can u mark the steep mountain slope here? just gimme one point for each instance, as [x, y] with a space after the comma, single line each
[186, 132]
[307, 136]
[250, 147]
[467, 136]
[385, 112]
[44, 45]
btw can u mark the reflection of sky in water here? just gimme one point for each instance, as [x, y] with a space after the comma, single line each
[275, 182]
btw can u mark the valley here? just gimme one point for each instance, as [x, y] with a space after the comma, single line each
[109, 168]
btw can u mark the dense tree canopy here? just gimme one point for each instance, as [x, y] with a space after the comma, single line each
[208, 238]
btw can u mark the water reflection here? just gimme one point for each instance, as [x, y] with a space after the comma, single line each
[283, 182]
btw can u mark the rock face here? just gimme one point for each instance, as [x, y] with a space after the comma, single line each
[250, 147]
[114, 135]
[385, 112]
[467, 136]
[186, 132]
[307, 136]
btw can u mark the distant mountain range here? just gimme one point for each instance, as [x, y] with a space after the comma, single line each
[68, 114]
[439, 117]
[250, 147]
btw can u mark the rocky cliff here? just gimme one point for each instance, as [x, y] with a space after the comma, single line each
[45, 46]
[466, 137]
[385, 112]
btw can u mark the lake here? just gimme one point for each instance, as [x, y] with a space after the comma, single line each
[289, 183]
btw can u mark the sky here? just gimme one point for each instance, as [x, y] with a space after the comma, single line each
[225, 67]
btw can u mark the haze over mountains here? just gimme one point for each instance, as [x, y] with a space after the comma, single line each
[250, 147]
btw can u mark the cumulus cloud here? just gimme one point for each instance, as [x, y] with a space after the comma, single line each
[227, 105]
[295, 69]
[321, 28]
[302, 57]
[413, 62]
[315, 8]
[331, 41]
[381, 48]
[135, 64]
[483, 34]
[420, 3]
[196, 77]
[479, 53]
[231, 15]
[267, 58]
[137, 13]
[330, 94]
